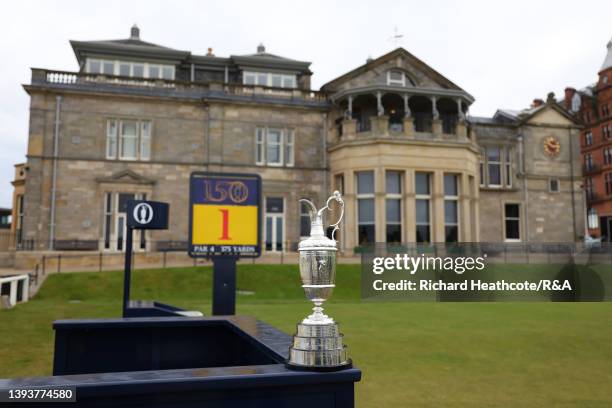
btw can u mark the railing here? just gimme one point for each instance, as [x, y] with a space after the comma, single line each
[44, 76]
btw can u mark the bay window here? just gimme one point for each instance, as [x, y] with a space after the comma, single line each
[393, 204]
[269, 79]
[451, 208]
[365, 207]
[423, 207]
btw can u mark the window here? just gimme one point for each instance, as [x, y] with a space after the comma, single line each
[508, 167]
[494, 166]
[154, 71]
[269, 79]
[608, 155]
[111, 139]
[588, 162]
[95, 66]
[167, 72]
[553, 185]
[124, 69]
[138, 70]
[128, 139]
[589, 188]
[605, 131]
[365, 207]
[304, 220]
[130, 69]
[393, 204]
[423, 212]
[108, 67]
[396, 78]
[608, 180]
[512, 223]
[451, 208]
[108, 218]
[605, 110]
[274, 147]
[588, 138]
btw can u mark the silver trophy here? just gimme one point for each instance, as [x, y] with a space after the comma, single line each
[317, 344]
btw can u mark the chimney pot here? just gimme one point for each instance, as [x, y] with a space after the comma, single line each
[537, 102]
[210, 52]
[261, 49]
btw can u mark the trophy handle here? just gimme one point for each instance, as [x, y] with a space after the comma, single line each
[312, 211]
[335, 196]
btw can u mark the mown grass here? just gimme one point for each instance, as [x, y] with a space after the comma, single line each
[411, 354]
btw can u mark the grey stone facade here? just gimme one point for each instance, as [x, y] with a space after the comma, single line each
[206, 119]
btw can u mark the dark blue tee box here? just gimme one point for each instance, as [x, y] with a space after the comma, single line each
[159, 219]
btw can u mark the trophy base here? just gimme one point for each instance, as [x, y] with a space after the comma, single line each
[318, 347]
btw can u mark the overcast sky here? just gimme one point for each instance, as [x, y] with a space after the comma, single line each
[504, 53]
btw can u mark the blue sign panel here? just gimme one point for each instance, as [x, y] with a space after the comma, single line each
[147, 214]
[224, 214]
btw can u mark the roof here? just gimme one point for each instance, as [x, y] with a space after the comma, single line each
[263, 59]
[131, 47]
[608, 61]
[371, 64]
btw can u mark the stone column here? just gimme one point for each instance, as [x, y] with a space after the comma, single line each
[461, 129]
[437, 198]
[436, 123]
[349, 129]
[350, 107]
[408, 120]
[380, 125]
[409, 207]
[379, 105]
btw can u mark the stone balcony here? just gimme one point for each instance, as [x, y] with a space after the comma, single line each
[176, 89]
[382, 128]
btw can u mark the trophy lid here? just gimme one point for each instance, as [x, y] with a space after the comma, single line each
[317, 238]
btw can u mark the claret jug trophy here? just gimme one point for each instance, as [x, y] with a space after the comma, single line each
[317, 343]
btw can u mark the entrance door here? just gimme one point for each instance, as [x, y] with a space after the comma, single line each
[121, 219]
[274, 223]
[609, 232]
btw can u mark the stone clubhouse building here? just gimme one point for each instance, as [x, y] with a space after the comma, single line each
[393, 135]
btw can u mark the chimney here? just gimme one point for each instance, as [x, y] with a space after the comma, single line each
[261, 49]
[135, 33]
[210, 52]
[567, 100]
[537, 102]
[550, 98]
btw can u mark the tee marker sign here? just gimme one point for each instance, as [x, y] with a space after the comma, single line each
[224, 214]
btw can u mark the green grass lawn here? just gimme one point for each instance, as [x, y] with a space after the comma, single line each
[411, 354]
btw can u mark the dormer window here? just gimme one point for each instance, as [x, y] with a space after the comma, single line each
[396, 78]
[269, 79]
[130, 69]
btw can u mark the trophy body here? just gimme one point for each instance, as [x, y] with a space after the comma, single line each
[317, 343]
